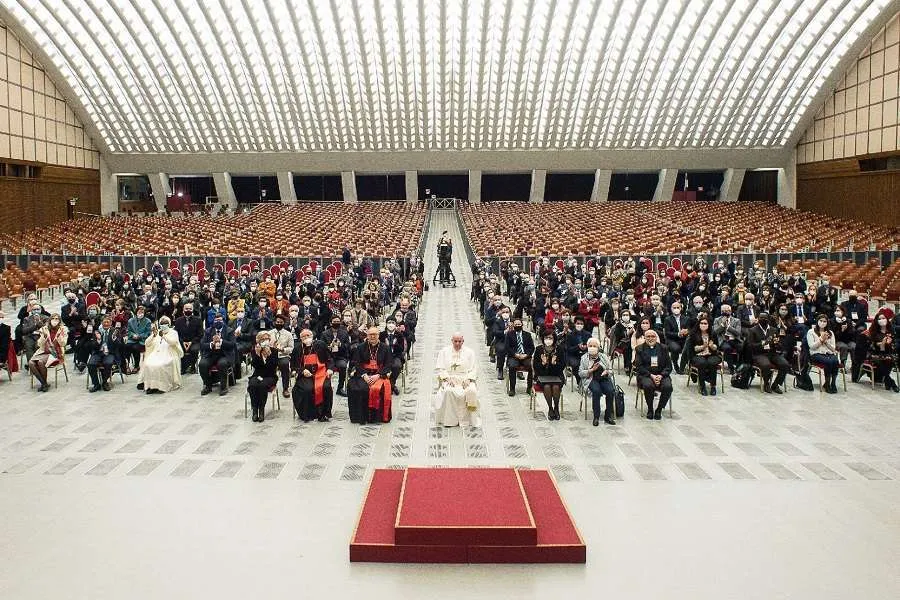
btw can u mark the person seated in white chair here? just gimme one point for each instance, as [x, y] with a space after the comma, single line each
[161, 369]
[456, 401]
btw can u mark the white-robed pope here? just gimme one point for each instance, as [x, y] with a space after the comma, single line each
[456, 401]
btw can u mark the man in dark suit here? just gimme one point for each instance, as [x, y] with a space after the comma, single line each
[676, 327]
[190, 333]
[519, 349]
[748, 313]
[654, 369]
[576, 345]
[216, 349]
[765, 352]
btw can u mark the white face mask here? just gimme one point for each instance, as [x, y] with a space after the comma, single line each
[579, 327]
[593, 350]
[626, 319]
[676, 311]
[882, 322]
[307, 341]
[548, 342]
[164, 328]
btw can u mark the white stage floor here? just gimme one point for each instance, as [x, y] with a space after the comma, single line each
[121, 495]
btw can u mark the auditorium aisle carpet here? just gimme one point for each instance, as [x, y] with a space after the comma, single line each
[121, 495]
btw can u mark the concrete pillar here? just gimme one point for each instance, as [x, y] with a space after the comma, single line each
[787, 182]
[224, 191]
[109, 190]
[731, 185]
[475, 187]
[602, 179]
[286, 187]
[538, 182]
[348, 183]
[412, 186]
[665, 187]
[159, 183]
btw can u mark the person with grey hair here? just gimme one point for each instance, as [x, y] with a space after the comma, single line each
[161, 369]
[595, 372]
[456, 401]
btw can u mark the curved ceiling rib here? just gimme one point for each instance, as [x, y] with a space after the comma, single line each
[212, 76]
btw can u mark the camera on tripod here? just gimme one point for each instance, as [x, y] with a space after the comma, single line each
[445, 255]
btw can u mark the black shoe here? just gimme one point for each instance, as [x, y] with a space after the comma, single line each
[703, 391]
[650, 414]
[597, 421]
[712, 390]
[830, 389]
[657, 415]
[767, 387]
[395, 390]
[154, 391]
[510, 393]
[323, 419]
[223, 391]
[106, 386]
[776, 389]
[94, 388]
[262, 414]
[45, 387]
[140, 386]
[550, 416]
[253, 415]
[500, 375]
[493, 359]
[609, 420]
[206, 389]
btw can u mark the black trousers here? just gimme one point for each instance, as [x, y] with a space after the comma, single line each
[258, 388]
[190, 357]
[100, 368]
[340, 365]
[600, 388]
[675, 347]
[500, 353]
[650, 389]
[769, 362]
[514, 363]
[222, 364]
[284, 366]
[707, 367]
[134, 351]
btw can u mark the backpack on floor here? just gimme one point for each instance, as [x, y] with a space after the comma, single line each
[620, 403]
[743, 376]
[803, 381]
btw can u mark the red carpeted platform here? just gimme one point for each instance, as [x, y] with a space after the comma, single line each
[456, 516]
[453, 507]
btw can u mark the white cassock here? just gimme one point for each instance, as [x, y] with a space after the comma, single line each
[161, 367]
[456, 401]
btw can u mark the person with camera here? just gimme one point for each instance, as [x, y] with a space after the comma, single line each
[595, 372]
[445, 256]
[823, 351]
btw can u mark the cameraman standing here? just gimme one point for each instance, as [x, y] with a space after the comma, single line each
[445, 255]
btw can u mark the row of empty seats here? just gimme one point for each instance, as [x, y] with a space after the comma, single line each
[310, 229]
[516, 229]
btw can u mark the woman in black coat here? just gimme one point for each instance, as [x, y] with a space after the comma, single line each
[549, 361]
[264, 377]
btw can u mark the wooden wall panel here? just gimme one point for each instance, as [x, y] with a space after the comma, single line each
[27, 203]
[871, 197]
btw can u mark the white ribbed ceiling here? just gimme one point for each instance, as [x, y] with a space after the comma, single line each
[171, 76]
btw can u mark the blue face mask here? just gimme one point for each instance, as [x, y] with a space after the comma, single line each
[218, 324]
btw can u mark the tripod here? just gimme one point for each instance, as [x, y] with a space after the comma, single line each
[444, 274]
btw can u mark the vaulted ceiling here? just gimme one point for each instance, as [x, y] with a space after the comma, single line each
[221, 76]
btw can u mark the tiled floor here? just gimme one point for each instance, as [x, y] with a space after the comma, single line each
[123, 495]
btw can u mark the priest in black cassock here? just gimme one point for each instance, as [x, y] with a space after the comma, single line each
[369, 387]
[313, 397]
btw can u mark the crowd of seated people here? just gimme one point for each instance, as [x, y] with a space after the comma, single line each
[519, 229]
[298, 327]
[694, 321]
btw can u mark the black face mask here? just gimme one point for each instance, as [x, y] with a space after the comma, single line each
[279, 326]
[336, 324]
[763, 322]
[518, 327]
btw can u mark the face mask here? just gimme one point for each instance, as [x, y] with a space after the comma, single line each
[555, 307]
[838, 317]
[218, 324]
[798, 301]
[164, 328]
[347, 320]
[626, 319]
[748, 302]
[264, 344]
[497, 302]
[593, 351]
[307, 341]
[579, 327]
[262, 305]
[279, 326]
[823, 324]
[140, 315]
[89, 330]
[71, 300]
[517, 327]
[335, 324]
[92, 312]
[882, 322]
[676, 311]
[548, 342]
[306, 303]
[505, 317]
[726, 314]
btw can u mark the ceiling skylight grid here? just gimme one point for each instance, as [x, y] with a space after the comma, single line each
[181, 76]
